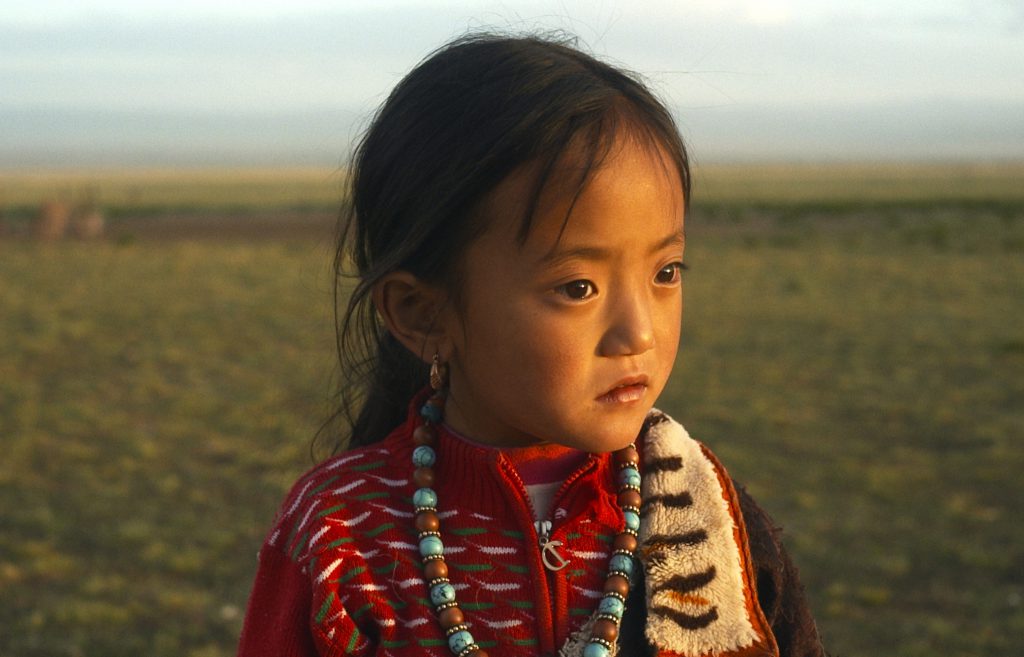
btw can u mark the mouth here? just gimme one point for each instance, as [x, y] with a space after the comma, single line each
[630, 389]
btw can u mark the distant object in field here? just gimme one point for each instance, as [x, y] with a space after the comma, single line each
[58, 219]
[51, 222]
[87, 222]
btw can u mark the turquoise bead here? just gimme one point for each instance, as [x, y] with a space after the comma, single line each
[442, 593]
[424, 497]
[611, 605]
[423, 456]
[431, 546]
[632, 520]
[595, 650]
[622, 563]
[431, 413]
[460, 641]
[629, 476]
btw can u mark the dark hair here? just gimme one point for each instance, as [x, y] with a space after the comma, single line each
[459, 123]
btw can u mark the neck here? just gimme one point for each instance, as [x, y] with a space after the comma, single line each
[469, 429]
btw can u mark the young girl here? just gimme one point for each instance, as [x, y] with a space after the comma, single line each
[507, 489]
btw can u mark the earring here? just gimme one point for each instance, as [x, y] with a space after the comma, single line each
[438, 373]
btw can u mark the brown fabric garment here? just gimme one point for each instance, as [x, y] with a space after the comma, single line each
[779, 593]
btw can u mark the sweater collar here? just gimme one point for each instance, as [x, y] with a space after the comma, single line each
[485, 477]
[543, 463]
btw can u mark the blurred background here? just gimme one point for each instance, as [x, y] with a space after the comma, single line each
[853, 346]
[289, 83]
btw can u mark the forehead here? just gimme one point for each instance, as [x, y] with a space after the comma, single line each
[634, 191]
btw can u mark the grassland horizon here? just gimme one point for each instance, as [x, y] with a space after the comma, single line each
[204, 188]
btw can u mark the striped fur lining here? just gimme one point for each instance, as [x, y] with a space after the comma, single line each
[700, 587]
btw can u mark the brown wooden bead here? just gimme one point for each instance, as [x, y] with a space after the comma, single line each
[427, 521]
[424, 435]
[630, 498]
[627, 455]
[450, 617]
[480, 653]
[617, 584]
[625, 541]
[435, 569]
[605, 629]
[423, 477]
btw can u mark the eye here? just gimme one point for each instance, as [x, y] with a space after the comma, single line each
[670, 274]
[577, 290]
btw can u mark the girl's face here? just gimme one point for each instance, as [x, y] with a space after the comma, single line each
[569, 339]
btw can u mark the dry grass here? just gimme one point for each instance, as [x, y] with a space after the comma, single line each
[859, 183]
[177, 188]
[140, 190]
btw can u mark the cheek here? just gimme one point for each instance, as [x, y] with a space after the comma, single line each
[670, 329]
[542, 349]
[503, 341]
[547, 346]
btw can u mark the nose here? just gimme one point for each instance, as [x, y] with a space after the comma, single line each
[630, 329]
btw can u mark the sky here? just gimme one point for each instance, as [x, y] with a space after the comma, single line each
[182, 83]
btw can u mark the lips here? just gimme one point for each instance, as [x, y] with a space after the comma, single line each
[629, 389]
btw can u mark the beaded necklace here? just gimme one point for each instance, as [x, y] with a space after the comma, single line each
[605, 629]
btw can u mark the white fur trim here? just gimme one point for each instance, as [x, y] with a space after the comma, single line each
[723, 596]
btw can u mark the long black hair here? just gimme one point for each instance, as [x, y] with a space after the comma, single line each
[466, 117]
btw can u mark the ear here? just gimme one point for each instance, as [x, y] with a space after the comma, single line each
[411, 311]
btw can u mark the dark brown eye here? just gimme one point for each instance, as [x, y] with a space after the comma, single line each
[670, 274]
[577, 290]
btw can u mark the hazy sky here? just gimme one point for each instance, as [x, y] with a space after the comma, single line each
[251, 83]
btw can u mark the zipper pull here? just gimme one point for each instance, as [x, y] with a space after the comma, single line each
[548, 548]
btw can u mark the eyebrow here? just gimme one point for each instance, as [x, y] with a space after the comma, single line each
[556, 257]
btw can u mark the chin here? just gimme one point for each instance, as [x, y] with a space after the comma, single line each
[617, 440]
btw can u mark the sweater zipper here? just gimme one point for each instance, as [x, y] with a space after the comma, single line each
[543, 531]
[549, 554]
[542, 528]
[549, 549]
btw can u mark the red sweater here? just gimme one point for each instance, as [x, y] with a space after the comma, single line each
[340, 572]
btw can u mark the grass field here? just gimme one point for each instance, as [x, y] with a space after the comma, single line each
[144, 191]
[138, 192]
[859, 365]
